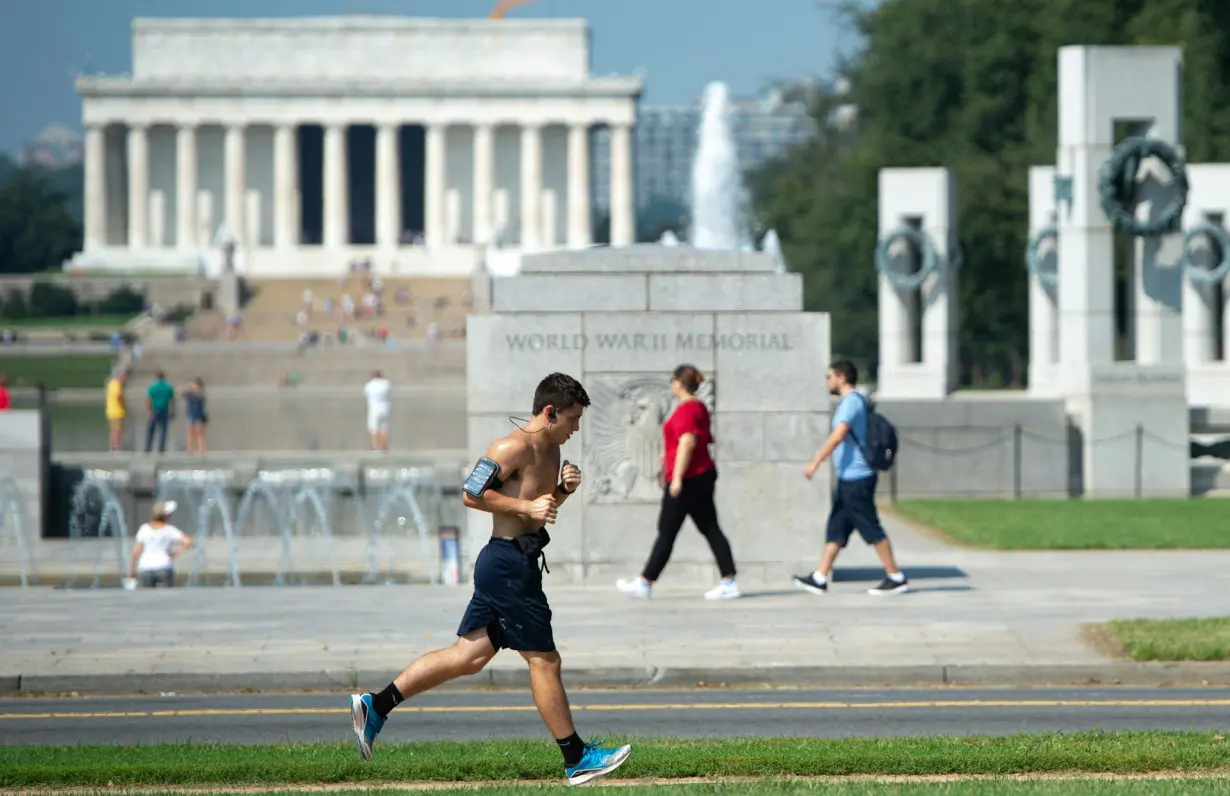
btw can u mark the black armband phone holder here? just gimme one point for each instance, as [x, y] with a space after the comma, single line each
[484, 476]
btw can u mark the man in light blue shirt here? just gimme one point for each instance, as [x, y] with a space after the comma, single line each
[854, 498]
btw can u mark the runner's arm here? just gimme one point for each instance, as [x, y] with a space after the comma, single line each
[508, 454]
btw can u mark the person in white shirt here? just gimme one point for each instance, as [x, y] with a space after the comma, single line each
[377, 392]
[158, 544]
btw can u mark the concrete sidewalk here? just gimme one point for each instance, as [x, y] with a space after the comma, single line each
[972, 617]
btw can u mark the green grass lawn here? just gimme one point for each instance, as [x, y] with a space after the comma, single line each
[74, 323]
[1075, 524]
[58, 371]
[1172, 639]
[1076, 786]
[510, 761]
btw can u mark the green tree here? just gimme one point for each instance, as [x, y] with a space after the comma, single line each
[37, 230]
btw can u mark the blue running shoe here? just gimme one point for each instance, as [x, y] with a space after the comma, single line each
[367, 723]
[597, 762]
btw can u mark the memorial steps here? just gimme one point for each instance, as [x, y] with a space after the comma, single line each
[411, 304]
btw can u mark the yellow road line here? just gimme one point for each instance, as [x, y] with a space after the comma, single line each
[998, 703]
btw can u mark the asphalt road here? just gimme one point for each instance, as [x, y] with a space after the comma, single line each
[283, 718]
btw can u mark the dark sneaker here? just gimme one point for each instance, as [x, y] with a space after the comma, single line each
[809, 583]
[890, 586]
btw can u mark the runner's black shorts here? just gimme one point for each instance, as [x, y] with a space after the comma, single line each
[508, 600]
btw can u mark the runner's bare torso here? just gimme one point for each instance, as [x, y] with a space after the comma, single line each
[531, 482]
[529, 472]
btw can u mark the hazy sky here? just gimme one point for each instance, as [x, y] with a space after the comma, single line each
[679, 44]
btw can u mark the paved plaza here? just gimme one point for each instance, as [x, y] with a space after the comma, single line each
[982, 617]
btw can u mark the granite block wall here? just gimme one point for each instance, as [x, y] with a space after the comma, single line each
[621, 320]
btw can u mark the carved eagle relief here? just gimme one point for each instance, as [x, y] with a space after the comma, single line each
[623, 438]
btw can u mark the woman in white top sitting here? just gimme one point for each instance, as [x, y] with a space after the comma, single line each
[158, 543]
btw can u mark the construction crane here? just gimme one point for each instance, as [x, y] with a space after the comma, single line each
[504, 6]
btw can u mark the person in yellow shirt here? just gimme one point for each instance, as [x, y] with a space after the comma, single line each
[117, 409]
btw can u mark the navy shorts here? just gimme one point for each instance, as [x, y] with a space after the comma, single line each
[854, 508]
[508, 600]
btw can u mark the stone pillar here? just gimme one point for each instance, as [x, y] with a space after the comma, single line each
[285, 187]
[434, 183]
[138, 187]
[499, 207]
[580, 212]
[1208, 202]
[1043, 298]
[235, 171]
[185, 187]
[484, 180]
[252, 217]
[205, 218]
[337, 193]
[926, 196]
[95, 187]
[623, 214]
[452, 216]
[1133, 417]
[388, 187]
[157, 219]
[531, 187]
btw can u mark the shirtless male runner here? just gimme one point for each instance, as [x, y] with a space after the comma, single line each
[516, 482]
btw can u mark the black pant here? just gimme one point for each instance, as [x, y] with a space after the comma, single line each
[157, 421]
[854, 508]
[152, 578]
[696, 501]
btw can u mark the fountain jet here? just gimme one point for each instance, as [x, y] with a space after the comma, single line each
[719, 199]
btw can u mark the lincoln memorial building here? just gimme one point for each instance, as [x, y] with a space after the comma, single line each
[309, 142]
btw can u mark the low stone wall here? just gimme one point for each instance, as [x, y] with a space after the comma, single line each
[1001, 444]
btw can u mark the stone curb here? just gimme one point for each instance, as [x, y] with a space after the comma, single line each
[1128, 674]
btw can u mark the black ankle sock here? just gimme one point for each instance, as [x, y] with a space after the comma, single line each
[386, 700]
[573, 748]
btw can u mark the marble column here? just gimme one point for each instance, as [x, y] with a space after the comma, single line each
[185, 187]
[531, 187]
[388, 187]
[580, 233]
[235, 171]
[623, 215]
[484, 181]
[434, 183]
[337, 194]
[138, 187]
[285, 187]
[95, 187]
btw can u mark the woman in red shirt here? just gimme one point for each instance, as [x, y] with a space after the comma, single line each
[689, 492]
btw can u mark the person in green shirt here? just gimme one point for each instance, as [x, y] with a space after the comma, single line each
[160, 401]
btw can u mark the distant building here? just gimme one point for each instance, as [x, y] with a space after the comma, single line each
[666, 139]
[56, 147]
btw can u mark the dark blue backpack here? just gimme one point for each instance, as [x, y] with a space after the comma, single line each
[880, 447]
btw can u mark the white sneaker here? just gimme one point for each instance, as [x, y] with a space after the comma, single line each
[726, 590]
[633, 587]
